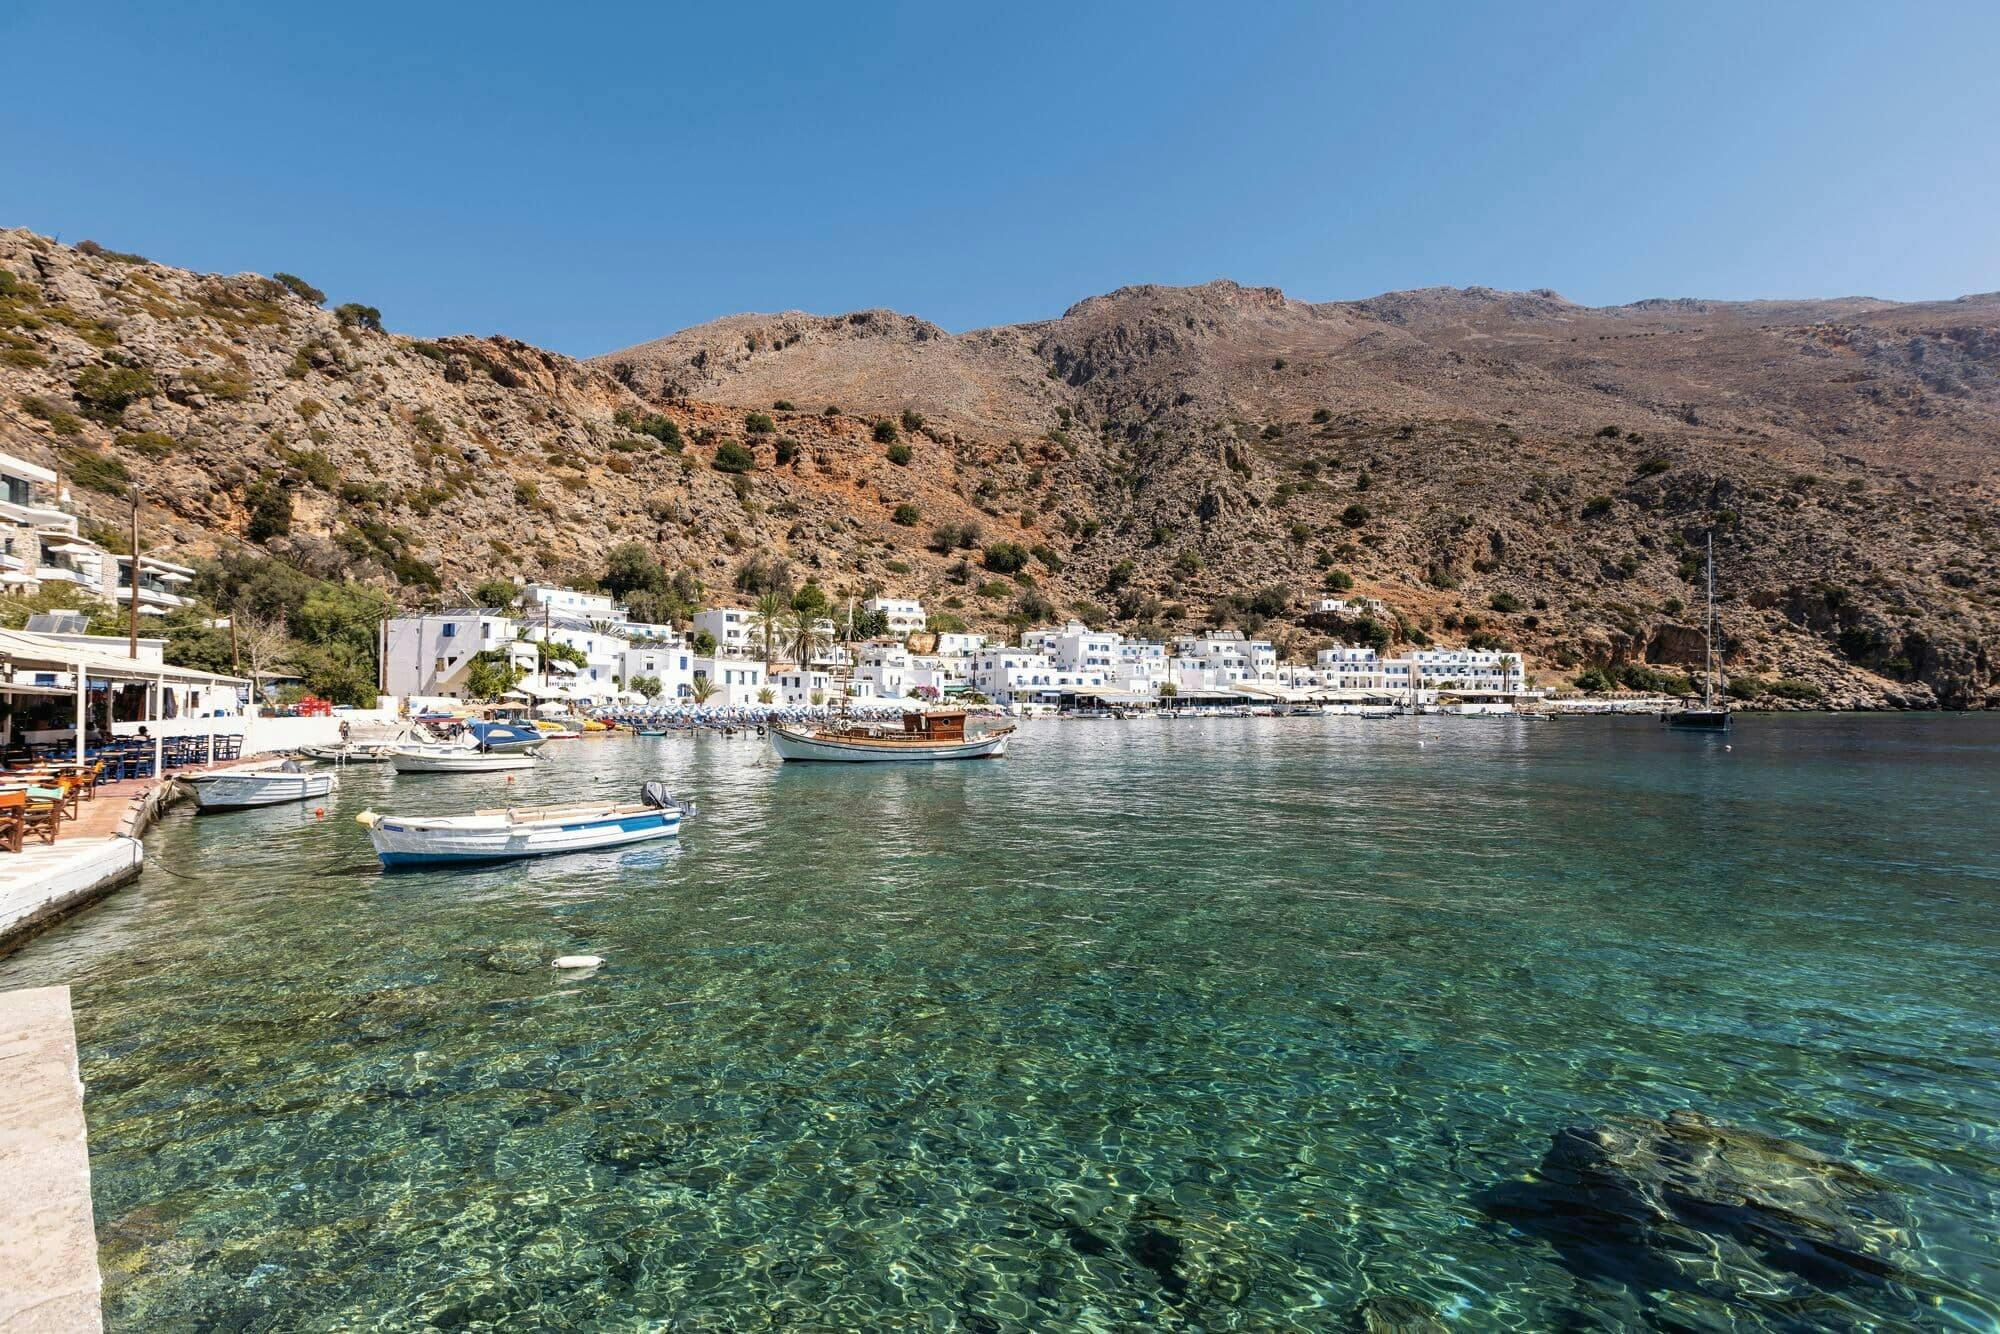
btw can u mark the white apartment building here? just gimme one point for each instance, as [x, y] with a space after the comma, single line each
[1011, 676]
[737, 680]
[1350, 668]
[887, 665]
[38, 536]
[1483, 671]
[1075, 647]
[603, 650]
[937, 672]
[1142, 666]
[573, 603]
[903, 614]
[671, 664]
[958, 644]
[656, 632]
[40, 544]
[430, 653]
[813, 687]
[1221, 658]
[731, 627]
[1427, 671]
[162, 584]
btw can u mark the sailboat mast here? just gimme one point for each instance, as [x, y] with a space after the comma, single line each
[1708, 631]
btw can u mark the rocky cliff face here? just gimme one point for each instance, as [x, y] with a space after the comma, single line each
[1498, 467]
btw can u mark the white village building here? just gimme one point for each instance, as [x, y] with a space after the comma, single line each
[904, 615]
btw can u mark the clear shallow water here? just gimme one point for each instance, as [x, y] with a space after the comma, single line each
[1226, 1024]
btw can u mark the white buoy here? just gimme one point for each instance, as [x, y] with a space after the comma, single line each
[578, 961]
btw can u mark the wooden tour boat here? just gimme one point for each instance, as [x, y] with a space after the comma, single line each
[937, 735]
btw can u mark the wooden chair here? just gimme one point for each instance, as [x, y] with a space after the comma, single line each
[13, 819]
[44, 812]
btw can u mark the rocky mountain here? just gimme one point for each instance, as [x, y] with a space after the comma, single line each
[1496, 467]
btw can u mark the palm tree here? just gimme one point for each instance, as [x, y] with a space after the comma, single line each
[767, 618]
[805, 637]
[766, 695]
[703, 690]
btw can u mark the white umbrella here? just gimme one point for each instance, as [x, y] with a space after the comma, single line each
[76, 549]
[169, 577]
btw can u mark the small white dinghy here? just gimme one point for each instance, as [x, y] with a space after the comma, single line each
[524, 831]
[456, 758]
[257, 785]
[346, 753]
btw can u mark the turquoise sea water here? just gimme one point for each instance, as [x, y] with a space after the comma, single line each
[1231, 1024]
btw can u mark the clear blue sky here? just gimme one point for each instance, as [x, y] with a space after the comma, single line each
[588, 176]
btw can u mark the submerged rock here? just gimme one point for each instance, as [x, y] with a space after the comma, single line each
[518, 956]
[1386, 1313]
[1687, 1204]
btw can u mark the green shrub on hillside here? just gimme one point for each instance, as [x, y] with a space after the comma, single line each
[732, 457]
[60, 421]
[95, 470]
[301, 288]
[1004, 557]
[105, 390]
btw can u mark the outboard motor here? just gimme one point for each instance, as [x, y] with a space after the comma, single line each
[656, 794]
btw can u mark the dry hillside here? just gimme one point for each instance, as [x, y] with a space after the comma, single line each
[1498, 467]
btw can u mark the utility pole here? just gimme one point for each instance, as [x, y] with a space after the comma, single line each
[132, 646]
[235, 658]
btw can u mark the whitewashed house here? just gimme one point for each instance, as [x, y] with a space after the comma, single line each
[572, 603]
[730, 627]
[902, 614]
[1075, 647]
[671, 664]
[737, 680]
[886, 664]
[431, 653]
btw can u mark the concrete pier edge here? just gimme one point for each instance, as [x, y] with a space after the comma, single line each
[49, 1280]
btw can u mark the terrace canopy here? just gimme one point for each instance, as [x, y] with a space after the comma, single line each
[24, 656]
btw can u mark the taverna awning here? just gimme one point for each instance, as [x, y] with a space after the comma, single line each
[22, 650]
[1258, 690]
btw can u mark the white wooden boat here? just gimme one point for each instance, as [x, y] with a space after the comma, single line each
[456, 759]
[257, 785]
[347, 752]
[525, 831]
[938, 735]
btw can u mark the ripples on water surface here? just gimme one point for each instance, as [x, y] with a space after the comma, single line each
[1224, 1024]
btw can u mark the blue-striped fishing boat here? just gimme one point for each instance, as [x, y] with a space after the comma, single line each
[523, 831]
